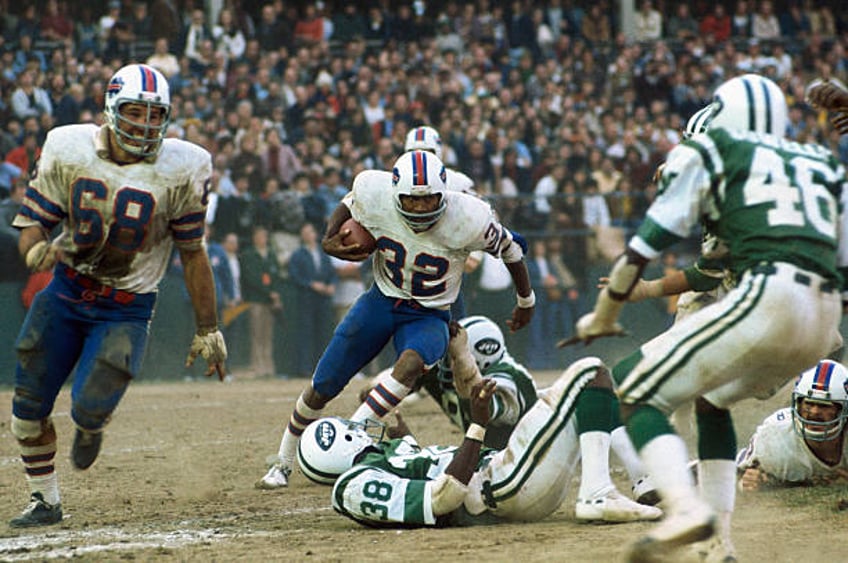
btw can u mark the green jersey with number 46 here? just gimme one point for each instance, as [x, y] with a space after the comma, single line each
[769, 199]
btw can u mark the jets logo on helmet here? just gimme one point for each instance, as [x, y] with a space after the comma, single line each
[325, 435]
[485, 340]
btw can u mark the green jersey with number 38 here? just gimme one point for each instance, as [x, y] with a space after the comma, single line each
[770, 199]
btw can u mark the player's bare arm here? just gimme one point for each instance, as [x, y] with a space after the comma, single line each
[465, 461]
[674, 283]
[208, 342]
[522, 314]
[36, 249]
[332, 241]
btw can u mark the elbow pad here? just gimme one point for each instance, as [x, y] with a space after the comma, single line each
[512, 253]
[625, 274]
[446, 494]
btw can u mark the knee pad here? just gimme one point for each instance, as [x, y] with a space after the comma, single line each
[99, 396]
[34, 432]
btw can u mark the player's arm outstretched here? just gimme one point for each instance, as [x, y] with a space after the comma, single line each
[208, 342]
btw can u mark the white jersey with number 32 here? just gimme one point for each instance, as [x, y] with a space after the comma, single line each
[427, 266]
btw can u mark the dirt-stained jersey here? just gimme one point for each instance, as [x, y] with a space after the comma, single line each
[784, 455]
[769, 199]
[514, 395]
[119, 222]
[391, 484]
[427, 266]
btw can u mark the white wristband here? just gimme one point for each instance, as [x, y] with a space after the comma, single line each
[475, 432]
[526, 302]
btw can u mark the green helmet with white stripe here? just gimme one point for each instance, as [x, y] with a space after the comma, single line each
[750, 103]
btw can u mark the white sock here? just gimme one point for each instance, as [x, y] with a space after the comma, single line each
[666, 458]
[623, 449]
[302, 416]
[383, 398]
[594, 458]
[717, 481]
[40, 470]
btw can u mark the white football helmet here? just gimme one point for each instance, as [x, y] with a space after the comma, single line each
[828, 383]
[419, 173]
[485, 340]
[140, 84]
[750, 103]
[329, 446]
[699, 122]
[424, 138]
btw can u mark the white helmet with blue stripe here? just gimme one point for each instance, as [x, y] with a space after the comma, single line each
[138, 84]
[424, 138]
[419, 174]
[827, 383]
[699, 122]
[750, 103]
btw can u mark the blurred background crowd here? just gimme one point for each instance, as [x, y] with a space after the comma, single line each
[559, 110]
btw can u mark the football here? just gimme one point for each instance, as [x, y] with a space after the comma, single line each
[358, 234]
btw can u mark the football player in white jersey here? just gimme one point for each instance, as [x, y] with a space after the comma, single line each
[425, 138]
[124, 196]
[424, 232]
[806, 443]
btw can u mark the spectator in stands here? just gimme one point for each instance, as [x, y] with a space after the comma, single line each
[279, 159]
[25, 54]
[140, 22]
[648, 22]
[237, 213]
[26, 155]
[108, 21]
[195, 34]
[165, 21]
[764, 24]
[162, 59]
[715, 27]
[742, 20]
[228, 36]
[314, 278]
[348, 23]
[260, 279]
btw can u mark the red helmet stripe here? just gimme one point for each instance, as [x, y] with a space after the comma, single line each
[821, 381]
[419, 168]
[148, 79]
[419, 134]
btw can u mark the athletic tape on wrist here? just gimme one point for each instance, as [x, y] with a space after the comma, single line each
[526, 302]
[475, 432]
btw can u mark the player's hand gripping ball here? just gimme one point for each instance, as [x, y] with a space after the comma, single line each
[358, 235]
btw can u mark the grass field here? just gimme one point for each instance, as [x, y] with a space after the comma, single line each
[175, 478]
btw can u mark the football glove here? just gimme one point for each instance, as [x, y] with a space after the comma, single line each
[41, 256]
[210, 346]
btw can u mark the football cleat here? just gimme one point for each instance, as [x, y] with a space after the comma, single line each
[85, 449]
[38, 513]
[695, 523]
[644, 491]
[714, 550]
[276, 478]
[612, 506]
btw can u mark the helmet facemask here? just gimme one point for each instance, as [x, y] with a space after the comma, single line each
[143, 92]
[419, 177]
[826, 384]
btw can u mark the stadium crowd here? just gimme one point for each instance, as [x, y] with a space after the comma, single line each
[558, 114]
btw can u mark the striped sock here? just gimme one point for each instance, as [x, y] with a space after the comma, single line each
[40, 470]
[382, 399]
[301, 417]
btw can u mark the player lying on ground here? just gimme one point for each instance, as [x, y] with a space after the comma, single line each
[477, 349]
[398, 483]
[804, 443]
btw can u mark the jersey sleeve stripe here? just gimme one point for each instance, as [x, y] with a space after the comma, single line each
[188, 235]
[189, 218]
[43, 208]
[651, 230]
[30, 213]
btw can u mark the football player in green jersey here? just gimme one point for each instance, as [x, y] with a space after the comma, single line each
[777, 204]
[398, 483]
